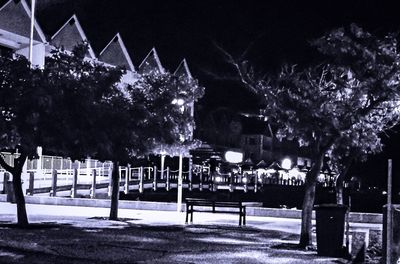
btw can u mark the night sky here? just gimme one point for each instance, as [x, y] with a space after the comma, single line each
[188, 29]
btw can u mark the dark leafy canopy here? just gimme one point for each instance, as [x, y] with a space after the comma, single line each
[338, 106]
[60, 107]
[348, 100]
[80, 97]
[78, 108]
[172, 124]
[15, 76]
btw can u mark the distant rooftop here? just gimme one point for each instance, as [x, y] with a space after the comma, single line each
[70, 35]
[115, 53]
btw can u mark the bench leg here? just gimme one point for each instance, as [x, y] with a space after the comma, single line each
[240, 216]
[244, 216]
[187, 214]
[191, 215]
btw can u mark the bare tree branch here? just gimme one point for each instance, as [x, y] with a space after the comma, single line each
[241, 69]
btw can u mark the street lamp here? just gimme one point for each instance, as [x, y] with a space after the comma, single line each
[286, 164]
[180, 102]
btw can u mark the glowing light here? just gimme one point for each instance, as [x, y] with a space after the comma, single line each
[233, 157]
[244, 180]
[218, 179]
[286, 164]
[179, 101]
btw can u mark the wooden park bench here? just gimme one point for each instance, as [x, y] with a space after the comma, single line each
[202, 203]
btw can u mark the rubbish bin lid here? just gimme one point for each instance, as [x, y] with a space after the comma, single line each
[330, 206]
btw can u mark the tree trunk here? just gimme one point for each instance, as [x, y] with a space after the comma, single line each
[308, 202]
[22, 217]
[16, 171]
[340, 181]
[114, 191]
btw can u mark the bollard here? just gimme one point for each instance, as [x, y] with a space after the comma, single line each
[53, 191]
[93, 189]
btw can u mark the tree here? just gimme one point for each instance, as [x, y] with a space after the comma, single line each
[78, 108]
[153, 122]
[342, 102]
[53, 108]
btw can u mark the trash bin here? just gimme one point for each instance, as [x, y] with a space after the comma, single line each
[330, 222]
[395, 245]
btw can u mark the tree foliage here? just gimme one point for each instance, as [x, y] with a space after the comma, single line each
[336, 107]
[78, 108]
[163, 92]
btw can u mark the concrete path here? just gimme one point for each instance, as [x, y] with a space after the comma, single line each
[84, 235]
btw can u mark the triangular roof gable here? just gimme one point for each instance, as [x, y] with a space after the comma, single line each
[151, 63]
[115, 53]
[15, 17]
[183, 70]
[71, 34]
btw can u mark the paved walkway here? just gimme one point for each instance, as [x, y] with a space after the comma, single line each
[84, 235]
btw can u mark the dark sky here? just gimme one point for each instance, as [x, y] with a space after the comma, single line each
[187, 28]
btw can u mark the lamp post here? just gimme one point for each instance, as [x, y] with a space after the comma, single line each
[31, 31]
[180, 102]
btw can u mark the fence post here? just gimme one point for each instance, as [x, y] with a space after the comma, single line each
[127, 177]
[245, 184]
[141, 180]
[5, 180]
[190, 174]
[93, 189]
[155, 179]
[74, 183]
[211, 184]
[162, 166]
[109, 181]
[53, 192]
[255, 182]
[231, 182]
[31, 183]
[201, 179]
[167, 182]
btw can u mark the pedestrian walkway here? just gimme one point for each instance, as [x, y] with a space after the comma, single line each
[84, 235]
[152, 217]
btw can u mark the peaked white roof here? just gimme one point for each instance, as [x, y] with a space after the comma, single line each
[68, 41]
[183, 70]
[16, 24]
[117, 39]
[151, 62]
